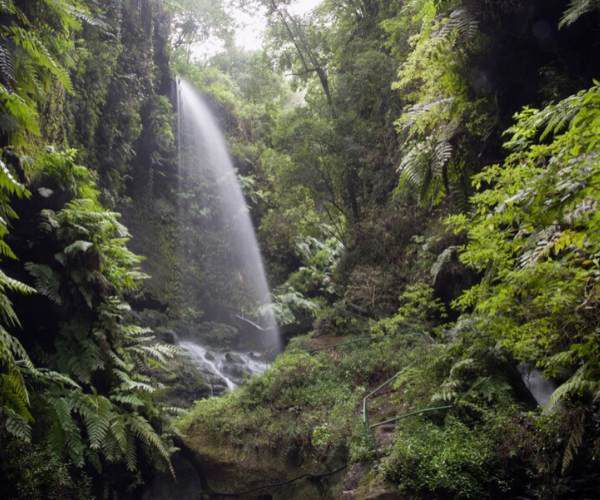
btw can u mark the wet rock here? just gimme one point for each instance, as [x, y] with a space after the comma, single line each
[187, 487]
[215, 334]
[166, 335]
[236, 371]
[232, 468]
[450, 276]
[540, 387]
[185, 385]
[233, 358]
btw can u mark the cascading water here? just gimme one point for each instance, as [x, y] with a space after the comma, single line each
[212, 207]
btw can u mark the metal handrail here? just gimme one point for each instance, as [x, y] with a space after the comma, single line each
[365, 409]
[372, 393]
[410, 414]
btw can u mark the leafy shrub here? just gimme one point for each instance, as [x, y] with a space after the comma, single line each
[91, 406]
[535, 236]
[452, 460]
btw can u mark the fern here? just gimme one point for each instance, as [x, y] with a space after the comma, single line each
[77, 247]
[461, 23]
[577, 9]
[128, 400]
[576, 434]
[423, 167]
[95, 411]
[128, 384]
[51, 377]
[7, 68]
[13, 392]
[64, 434]
[146, 434]
[16, 425]
[39, 54]
[47, 282]
[577, 386]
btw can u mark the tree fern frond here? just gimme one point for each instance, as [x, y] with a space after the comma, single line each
[129, 384]
[442, 152]
[47, 282]
[36, 50]
[15, 285]
[577, 385]
[159, 352]
[66, 433]
[128, 399]
[15, 352]
[461, 22]
[412, 166]
[576, 9]
[146, 434]
[8, 182]
[7, 313]
[78, 246]
[16, 425]
[575, 439]
[174, 410]
[95, 411]
[13, 392]
[131, 454]
[52, 377]
[7, 68]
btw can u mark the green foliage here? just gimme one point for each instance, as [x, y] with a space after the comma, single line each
[32, 472]
[36, 38]
[439, 120]
[534, 235]
[95, 405]
[452, 460]
[297, 297]
[14, 359]
[196, 21]
[298, 401]
[115, 347]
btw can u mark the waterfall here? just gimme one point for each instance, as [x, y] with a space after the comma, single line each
[217, 230]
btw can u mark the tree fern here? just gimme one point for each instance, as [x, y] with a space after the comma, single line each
[423, 168]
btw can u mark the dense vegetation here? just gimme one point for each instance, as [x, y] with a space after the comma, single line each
[424, 179]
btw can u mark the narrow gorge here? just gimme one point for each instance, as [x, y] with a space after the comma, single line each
[299, 249]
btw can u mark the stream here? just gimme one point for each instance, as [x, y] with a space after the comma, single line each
[224, 368]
